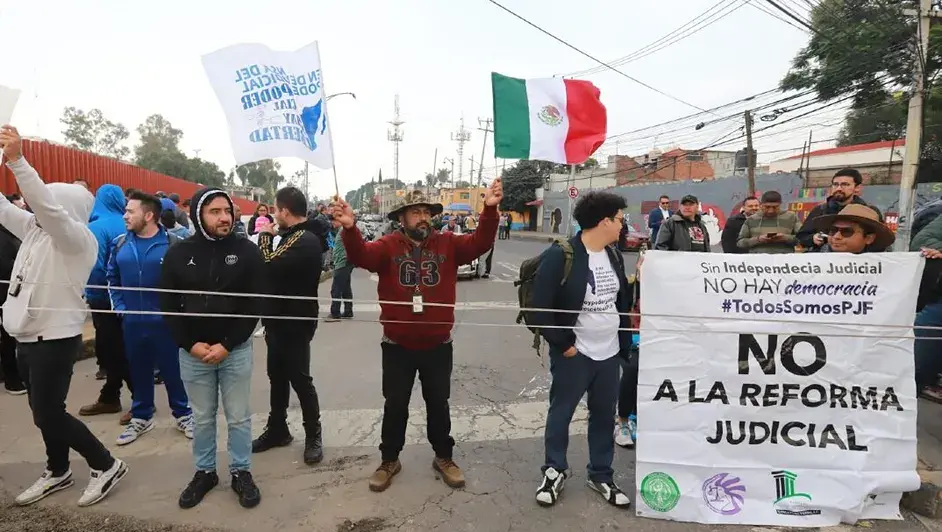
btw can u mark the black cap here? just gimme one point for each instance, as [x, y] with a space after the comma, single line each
[174, 197]
[689, 198]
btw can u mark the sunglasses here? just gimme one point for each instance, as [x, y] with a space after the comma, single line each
[845, 232]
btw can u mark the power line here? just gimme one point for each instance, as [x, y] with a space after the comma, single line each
[592, 57]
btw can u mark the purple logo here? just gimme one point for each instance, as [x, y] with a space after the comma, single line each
[724, 495]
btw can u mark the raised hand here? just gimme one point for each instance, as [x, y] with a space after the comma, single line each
[494, 193]
[11, 142]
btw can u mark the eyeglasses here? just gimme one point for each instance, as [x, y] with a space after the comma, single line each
[845, 232]
[843, 185]
[665, 203]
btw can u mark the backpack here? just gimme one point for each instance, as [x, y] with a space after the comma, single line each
[525, 285]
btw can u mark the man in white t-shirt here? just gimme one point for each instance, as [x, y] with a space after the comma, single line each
[588, 343]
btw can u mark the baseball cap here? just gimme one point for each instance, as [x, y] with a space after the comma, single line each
[174, 197]
[689, 198]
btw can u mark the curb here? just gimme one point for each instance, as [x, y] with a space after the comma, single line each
[88, 344]
[536, 237]
[927, 500]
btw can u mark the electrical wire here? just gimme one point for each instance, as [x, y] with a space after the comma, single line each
[593, 58]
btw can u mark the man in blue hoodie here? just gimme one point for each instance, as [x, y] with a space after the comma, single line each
[106, 223]
[136, 261]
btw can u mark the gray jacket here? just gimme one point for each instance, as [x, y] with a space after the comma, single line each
[676, 234]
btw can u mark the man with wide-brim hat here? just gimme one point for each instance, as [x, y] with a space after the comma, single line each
[414, 199]
[855, 229]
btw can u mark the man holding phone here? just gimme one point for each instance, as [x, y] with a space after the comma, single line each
[770, 230]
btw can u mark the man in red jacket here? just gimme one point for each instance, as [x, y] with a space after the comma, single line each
[417, 266]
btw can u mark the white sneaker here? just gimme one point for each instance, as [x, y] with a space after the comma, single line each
[135, 429]
[185, 425]
[611, 493]
[44, 487]
[552, 486]
[623, 434]
[102, 482]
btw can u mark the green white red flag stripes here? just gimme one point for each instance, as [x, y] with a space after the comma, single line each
[551, 119]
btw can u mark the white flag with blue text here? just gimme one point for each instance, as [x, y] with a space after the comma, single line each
[274, 102]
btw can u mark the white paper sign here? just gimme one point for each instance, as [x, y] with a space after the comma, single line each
[769, 408]
[274, 102]
[8, 98]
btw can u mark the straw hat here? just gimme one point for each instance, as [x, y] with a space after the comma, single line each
[414, 199]
[864, 216]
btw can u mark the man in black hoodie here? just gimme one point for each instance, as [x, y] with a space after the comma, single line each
[845, 189]
[291, 269]
[216, 352]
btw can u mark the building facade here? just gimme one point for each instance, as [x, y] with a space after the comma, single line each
[880, 163]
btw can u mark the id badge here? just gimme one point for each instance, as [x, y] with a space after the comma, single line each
[417, 305]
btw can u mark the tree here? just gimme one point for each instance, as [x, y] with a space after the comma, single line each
[862, 51]
[159, 149]
[204, 172]
[262, 174]
[443, 176]
[520, 182]
[93, 132]
[463, 184]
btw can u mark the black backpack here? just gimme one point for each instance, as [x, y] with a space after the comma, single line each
[525, 285]
[320, 226]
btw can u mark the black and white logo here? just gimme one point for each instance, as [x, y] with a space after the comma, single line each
[231, 259]
[191, 263]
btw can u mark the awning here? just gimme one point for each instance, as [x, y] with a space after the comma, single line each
[458, 207]
[535, 203]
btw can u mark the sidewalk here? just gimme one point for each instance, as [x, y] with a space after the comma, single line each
[538, 236]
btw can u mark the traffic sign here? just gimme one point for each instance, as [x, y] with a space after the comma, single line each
[573, 192]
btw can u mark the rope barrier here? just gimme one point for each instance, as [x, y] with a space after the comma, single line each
[464, 306]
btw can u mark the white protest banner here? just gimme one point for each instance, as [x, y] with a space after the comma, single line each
[8, 98]
[787, 397]
[274, 102]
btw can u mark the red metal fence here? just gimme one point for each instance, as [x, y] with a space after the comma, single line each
[63, 164]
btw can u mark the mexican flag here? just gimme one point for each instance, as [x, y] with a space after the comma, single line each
[552, 119]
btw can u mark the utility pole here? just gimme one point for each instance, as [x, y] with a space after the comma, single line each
[808, 162]
[395, 136]
[907, 183]
[452, 161]
[306, 179]
[461, 136]
[486, 129]
[428, 184]
[750, 160]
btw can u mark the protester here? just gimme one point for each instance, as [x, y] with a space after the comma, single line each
[179, 214]
[659, 216]
[215, 352]
[168, 219]
[136, 260]
[261, 211]
[846, 186]
[57, 247]
[510, 223]
[770, 230]
[288, 270]
[12, 382]
[502, 227]
[417, 265]
[730, 236]
[341, 289]
[855, 229]
[928, 323]
[584, 360]
[238, 226]
[683, 231]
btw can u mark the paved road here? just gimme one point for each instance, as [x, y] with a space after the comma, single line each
[499, 399]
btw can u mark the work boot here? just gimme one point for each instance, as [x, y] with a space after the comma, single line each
[99, 407]
[449, 471]
[382, 477]
[313, 446]
[273, 436]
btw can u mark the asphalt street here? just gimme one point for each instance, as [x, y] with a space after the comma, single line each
[499, 398]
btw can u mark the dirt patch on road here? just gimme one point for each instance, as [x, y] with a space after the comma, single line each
[41, 518]
[370, 524]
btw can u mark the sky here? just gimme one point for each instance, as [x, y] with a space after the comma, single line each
[134, 59]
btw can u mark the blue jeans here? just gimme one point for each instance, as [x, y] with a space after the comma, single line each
[926, 348]
[572, 378]
[150, 345]
[204, 382]
[340, 289]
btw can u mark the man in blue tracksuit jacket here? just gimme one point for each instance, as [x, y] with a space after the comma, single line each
[106, 223]
[136, 262]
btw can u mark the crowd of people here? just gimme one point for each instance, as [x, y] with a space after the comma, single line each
[71, 251]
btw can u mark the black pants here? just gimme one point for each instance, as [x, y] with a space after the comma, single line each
[340, 288]
[487, 261]
[289, 366]
[8, 357]
[46, 368]
[109, 348]
[628, 389]
[400, 366]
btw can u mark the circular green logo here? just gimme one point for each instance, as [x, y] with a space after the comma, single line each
[660, 492]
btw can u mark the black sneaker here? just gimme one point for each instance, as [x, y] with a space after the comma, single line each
[346, 316]
[313, 448]
[245, 488]
[15, 387]
[272, 438]
[332, 319]
[551, 487]
[611, 493]
[203, 482]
